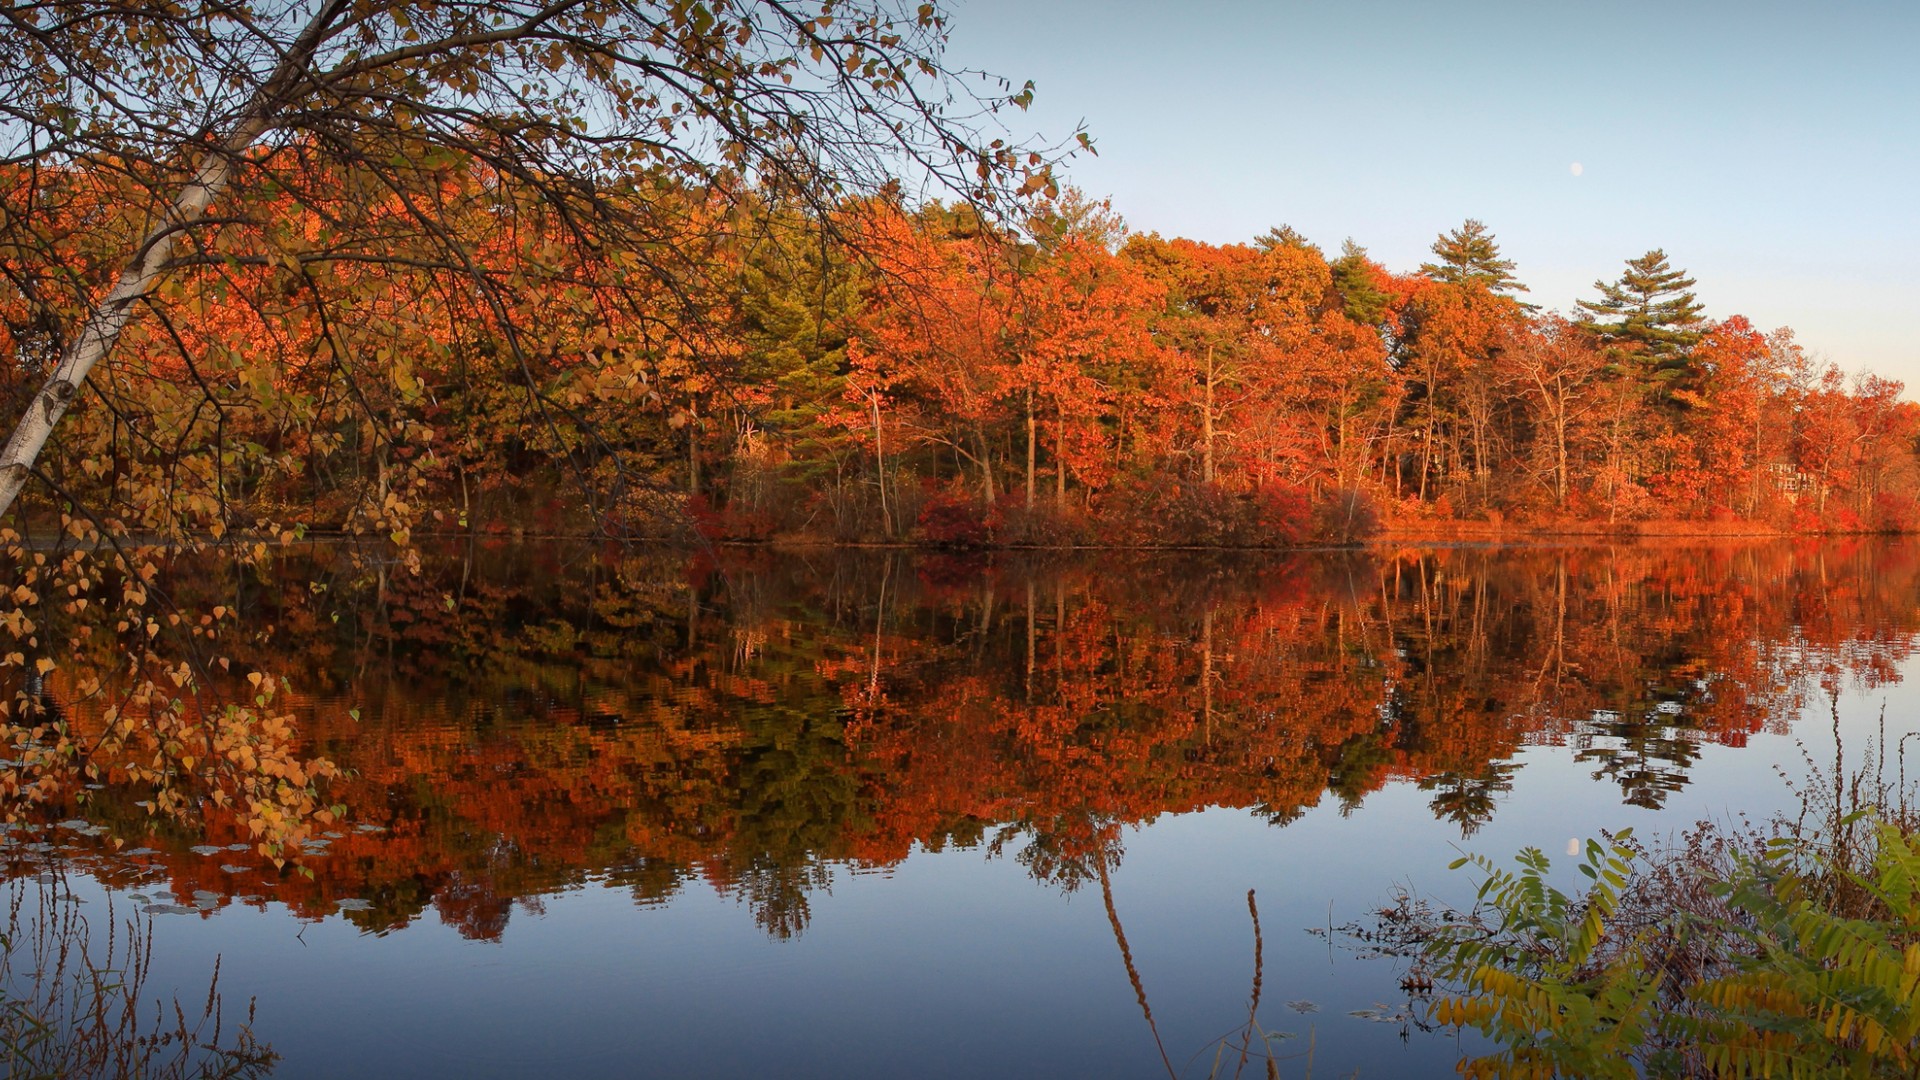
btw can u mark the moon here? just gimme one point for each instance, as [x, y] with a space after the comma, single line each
[1576, 168]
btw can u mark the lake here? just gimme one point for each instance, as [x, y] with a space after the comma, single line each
[618, 812]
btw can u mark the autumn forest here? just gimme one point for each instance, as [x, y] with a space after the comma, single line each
[750, 369]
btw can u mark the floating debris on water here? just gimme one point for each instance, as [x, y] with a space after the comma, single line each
[81, 826]
[232, 869]
[1382, 1014]
[205, 849]
[239, 847]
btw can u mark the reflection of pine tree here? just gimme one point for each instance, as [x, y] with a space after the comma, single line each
[651, 880]
[1359, 767]
[1064, 850]
[797, 802]
[1648, 757]
[1468, 799]
[778, 894]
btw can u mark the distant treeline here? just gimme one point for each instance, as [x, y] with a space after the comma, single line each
[756, 368]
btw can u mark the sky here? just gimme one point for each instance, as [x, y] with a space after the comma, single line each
[1772, 150]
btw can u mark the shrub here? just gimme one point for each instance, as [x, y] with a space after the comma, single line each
[1735, 952]
[1206, 515]
[1895, 513]
[1042, 525]
[1348, 518]
[952, 519]
[1535, 977]
[729, 522]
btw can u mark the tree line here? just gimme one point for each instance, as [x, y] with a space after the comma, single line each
[883, 370]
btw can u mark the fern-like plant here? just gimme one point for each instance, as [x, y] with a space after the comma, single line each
[1813, 968]
[1819, 992]
[1535, 978]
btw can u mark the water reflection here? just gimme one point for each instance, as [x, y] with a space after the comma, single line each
[517, 720]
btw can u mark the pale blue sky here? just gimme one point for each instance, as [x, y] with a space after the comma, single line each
[1772, 149]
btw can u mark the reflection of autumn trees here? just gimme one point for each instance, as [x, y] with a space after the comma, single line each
[512, 722]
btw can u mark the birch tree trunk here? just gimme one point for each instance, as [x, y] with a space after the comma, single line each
[147, 265]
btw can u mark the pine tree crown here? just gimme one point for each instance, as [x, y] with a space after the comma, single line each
[1469, 256]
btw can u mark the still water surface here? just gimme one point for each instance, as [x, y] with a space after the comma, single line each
[616, 813]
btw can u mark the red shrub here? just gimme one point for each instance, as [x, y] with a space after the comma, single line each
[1895, 513]
[948, 519]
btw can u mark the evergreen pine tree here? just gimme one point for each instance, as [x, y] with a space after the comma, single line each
[1285, 236]
[1353, 280]
[1649, 312]
[799, 301]
[1469, 256]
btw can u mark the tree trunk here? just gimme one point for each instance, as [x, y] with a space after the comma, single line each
[1560, 453]
[1429, 438]
[1060, 462]
[693, 450]
[1030, 450]
[986, 465]
[1206, 425]
[880, 465]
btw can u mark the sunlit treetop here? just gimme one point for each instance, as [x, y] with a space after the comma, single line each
[1650, 309]
[1468, 256]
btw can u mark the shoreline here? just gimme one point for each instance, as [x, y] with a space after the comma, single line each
[1436, 534]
